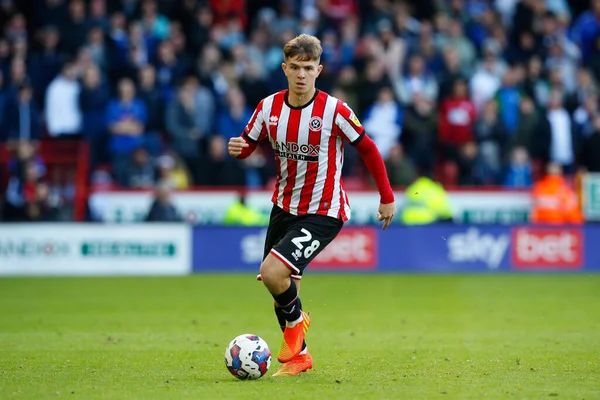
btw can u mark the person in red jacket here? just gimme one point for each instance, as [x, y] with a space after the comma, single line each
[457, 120]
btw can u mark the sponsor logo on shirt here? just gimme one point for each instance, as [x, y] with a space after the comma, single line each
[298, 152]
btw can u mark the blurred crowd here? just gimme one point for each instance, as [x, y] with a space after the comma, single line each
[157, 87]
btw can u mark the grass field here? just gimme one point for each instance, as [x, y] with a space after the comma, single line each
[372, 337]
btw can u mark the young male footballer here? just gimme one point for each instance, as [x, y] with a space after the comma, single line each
[307, 129]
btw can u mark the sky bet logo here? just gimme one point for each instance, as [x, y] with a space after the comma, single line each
[294, 151]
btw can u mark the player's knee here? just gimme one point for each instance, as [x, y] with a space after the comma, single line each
[275, 276]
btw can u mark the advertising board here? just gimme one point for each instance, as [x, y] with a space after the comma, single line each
[547, 248]
[209, 208]
[590, 196]
[241, 249]
[90, 249]
[436, 249]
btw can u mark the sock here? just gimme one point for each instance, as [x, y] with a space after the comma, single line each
[280, 318]
[282, 322]
[289, 303]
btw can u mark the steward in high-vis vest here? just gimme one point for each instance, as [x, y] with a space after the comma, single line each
[425, 202]
[554, 202]
[239, 214]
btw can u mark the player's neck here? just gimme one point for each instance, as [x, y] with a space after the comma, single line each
[300, 100]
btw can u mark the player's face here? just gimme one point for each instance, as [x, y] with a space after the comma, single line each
[301, 75]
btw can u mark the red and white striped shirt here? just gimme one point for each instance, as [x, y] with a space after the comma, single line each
[308, 143]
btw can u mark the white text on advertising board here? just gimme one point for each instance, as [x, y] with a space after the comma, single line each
[472, 246]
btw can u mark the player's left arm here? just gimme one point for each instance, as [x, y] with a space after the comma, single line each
[355, 133]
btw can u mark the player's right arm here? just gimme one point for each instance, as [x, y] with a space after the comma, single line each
[242, 146]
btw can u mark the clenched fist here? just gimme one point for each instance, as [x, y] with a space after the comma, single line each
[236, 145]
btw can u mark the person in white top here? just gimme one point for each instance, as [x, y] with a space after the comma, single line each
[63, 115]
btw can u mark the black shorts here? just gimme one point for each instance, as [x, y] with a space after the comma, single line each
[297, 240]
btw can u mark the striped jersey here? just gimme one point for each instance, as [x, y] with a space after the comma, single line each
[308, 143]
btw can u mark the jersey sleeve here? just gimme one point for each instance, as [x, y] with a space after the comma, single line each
[348, 123]
[256, 129]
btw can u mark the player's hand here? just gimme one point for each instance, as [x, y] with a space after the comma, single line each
[236, 145]
[386, 214]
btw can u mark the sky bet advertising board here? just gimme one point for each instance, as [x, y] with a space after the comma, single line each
[438, 248]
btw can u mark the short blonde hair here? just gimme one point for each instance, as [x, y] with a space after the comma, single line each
[305, 47]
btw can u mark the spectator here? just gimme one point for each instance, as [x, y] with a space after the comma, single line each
[586, 86]
[187, 137]
[98, 16]
[118, 42]
[583, 117]
[27, 196]
[400, 169]
[491, 137]
[591, 148]
[96, 46]
[63, 115]
[451, 72]
[509, 98]
[93, 100]
[46, 63]
[373, 81]
[456, 39]
[140, 172]
[150, 95]
[3, 103]
[18, 77]
[416, 81]
[74, 31]
[155, 24]
[126, 119]
[557, 134]
[535, 85]
[457, 120]
[23, 117]
[168, 69]
[469, 165]
[559, 58]
[486, 81]
[199, 32]
[529, 122]
[519, 172]
[171, 169]
[253, 85]
[162, 209]
[392, 50]
[224, 170]
[593, 63]
[419, 133]
[586, 29]
[383, 121]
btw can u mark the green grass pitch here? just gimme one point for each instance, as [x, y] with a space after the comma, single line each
[372, 337]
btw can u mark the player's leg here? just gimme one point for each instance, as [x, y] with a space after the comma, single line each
[305, 239]
[279, 222]
[276, 276]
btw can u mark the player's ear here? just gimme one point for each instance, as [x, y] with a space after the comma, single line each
[319, 69]
[284, 68]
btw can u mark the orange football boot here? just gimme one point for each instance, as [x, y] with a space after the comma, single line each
[292, 339]
[298, 364]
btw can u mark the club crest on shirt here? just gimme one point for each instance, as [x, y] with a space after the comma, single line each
[315, 124]
[354, 119]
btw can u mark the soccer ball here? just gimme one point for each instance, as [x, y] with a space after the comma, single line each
[248, 357]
